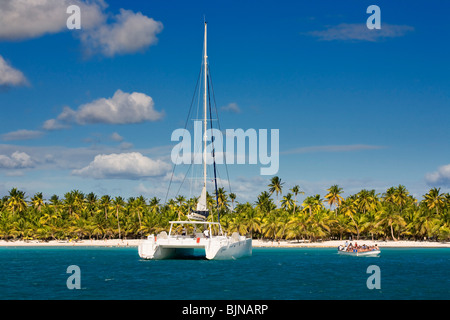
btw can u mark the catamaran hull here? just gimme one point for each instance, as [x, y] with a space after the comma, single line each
[214, 250]
[235, 250]
[149, 252]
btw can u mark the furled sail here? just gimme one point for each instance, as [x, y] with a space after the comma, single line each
[201, 205]
[202, 210]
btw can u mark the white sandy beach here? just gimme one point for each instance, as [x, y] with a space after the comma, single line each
[336, 243]
[256, 243]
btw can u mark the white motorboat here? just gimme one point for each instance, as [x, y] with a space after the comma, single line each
[358, 252]
[197, 232]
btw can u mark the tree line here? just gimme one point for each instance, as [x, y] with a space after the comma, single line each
[394, 214]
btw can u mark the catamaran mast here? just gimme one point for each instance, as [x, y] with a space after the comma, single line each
[205, 80]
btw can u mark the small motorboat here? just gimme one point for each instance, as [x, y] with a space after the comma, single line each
[359, 251]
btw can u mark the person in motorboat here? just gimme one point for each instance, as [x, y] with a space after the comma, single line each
[346, 247]
[358, 249]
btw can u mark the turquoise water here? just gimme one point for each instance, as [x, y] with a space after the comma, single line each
[271, 273]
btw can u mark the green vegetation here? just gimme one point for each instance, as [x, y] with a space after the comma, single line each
[394, 215]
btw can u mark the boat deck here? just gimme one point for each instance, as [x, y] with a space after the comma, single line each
[182, 242]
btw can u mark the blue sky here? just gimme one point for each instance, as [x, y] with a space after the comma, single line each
[357, 108]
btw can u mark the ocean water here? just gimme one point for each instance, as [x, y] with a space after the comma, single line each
[270, 274]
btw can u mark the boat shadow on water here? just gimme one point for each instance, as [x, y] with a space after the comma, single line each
[195, 254]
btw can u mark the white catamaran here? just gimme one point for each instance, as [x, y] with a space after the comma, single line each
[197, 232]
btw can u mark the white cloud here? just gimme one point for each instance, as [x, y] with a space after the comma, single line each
[232, 107]
[123, 166]
[53, 124]
[141, 189]
[10, 76]
[116, 137]
[247, 188]
[22, 135]
[439, 177]
[60, 158]
[360, 32]
[18, 160]
[125, 145]
[122, 108]
[25, 19]
[130, 32]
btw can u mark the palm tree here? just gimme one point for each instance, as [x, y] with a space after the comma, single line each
[105, 202]
[232, 198]
[348, 208]
[264, 202]
[276, 186]
[180, 200]
[91, 202]
[54, 201]
[334, 196]
[50, 217]
[366, 200]
[74, 201]
[237, 224]
[390, 218]
[297, 226]
[118, 203]
[252, 221]
[37, 201]
[341, 225]
[322, 223]
[16, 201]
[401, 197]
[296, 191]
[370, 222]
[287, 203]
[69, 202]
[434, 199]
[425, 222]
[154, 204]
[139, 205]
[313, 204]
[3, 202]
[389, 195]
[271, 226]
[222, 198]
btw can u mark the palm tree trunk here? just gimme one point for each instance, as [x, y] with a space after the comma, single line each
[295, 203]
[140, 225]
[357, 229]
[392, 233]
[118, 222]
